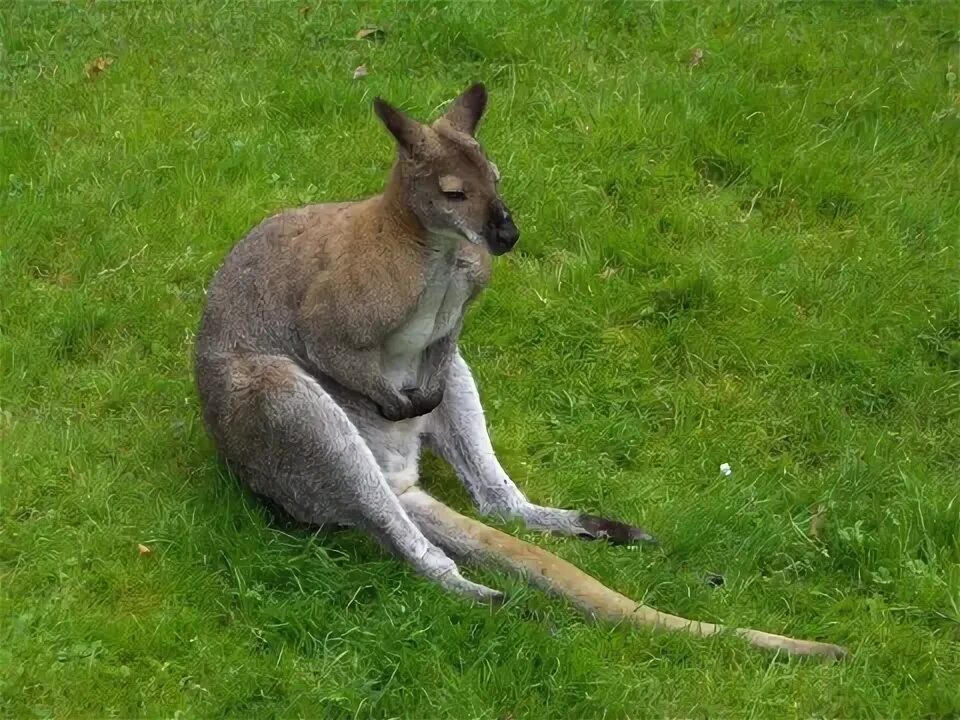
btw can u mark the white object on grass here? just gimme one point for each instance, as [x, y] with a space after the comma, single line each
[726, 470]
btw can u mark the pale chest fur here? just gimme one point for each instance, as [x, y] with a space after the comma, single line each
[449, 283]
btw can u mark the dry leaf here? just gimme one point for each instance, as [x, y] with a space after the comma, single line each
[360, 72]
[371, 33]
[696, 57]
[305, 10]
[143, 550]
[817, 522]
[608, 272]
[97, 66]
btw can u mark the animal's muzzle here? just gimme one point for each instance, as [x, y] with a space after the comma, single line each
[502, 233]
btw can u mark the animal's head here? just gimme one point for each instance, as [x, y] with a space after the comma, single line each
[448, 182]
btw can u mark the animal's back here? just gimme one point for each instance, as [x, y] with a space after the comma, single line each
[253, 300]
[254, 296]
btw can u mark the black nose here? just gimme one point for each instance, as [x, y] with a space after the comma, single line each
[505, 232]
[508, 233]
[503, 238]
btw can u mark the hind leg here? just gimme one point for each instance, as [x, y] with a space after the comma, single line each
[293, 443]
[457, 432]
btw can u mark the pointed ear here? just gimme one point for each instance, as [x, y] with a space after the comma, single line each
[465, 112]
[404, 128]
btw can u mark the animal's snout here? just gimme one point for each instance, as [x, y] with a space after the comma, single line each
[508, 233]
[505, 232]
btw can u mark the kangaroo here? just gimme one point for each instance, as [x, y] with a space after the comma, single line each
[327, 358]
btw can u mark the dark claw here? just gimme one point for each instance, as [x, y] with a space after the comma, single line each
[414, 403]
[422, 403]
[614, 531]
[391, 414]
[497, 601]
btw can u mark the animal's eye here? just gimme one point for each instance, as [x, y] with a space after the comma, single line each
[452, 187]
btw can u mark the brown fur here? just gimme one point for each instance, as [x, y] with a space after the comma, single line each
[328, 352]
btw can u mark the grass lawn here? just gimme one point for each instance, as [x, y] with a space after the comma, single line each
[747, 255]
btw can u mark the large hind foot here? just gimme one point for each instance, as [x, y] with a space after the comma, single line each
[613, 531]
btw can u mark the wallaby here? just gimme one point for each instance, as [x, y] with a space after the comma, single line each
[327, 357]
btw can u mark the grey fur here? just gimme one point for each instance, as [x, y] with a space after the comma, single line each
[327, 352]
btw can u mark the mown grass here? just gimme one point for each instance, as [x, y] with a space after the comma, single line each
[749, 260]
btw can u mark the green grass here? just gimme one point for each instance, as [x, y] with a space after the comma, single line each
[752, 260]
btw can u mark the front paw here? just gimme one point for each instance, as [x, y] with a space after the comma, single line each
[613, 531]
[396, 408]
[410, 404]
[424, 401]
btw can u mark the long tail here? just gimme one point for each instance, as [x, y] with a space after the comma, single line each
[475, 542]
